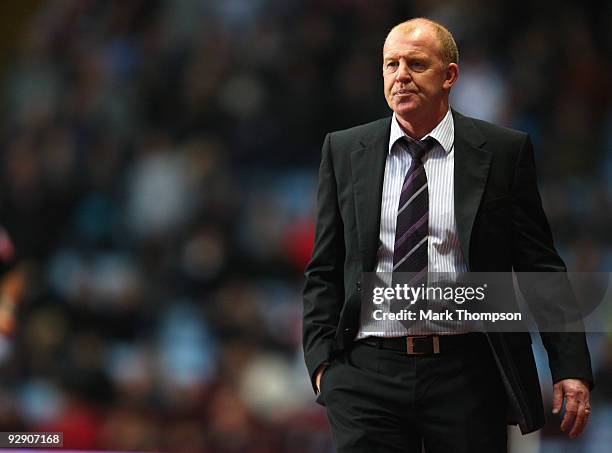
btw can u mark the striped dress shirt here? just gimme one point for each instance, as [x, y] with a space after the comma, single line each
[444, 252]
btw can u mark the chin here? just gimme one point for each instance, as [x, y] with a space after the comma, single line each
[407, 109]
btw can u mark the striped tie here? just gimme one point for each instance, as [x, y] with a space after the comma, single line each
[411, 233]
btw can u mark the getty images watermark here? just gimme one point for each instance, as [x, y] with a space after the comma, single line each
[499, 301]
[406, 294]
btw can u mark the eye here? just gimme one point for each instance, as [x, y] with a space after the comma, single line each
[391, 64]
[418, 65]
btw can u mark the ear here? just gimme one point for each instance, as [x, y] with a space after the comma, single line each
[451, 76]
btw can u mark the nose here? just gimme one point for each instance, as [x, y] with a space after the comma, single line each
[402, 74]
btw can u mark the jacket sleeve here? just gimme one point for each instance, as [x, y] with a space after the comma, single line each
[534, 251]
[324, 288]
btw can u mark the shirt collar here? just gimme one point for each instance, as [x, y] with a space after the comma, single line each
[443, 133]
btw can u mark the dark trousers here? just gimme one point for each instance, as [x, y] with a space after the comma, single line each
[384, 401]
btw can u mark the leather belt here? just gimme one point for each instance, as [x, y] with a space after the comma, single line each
[427, 344]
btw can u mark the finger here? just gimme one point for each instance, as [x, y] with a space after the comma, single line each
[319, 376]
[571, 409]
[579, 423]
[557, 398]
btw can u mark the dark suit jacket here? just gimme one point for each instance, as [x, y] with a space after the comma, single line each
[501, 227]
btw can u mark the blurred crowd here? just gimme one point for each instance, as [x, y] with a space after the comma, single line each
[158, 165]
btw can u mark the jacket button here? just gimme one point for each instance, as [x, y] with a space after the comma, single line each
[358, 287]
[348, 329]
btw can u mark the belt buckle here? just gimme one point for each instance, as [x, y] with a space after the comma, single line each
[410, 345]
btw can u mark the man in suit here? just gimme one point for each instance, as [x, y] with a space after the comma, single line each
[429, 190]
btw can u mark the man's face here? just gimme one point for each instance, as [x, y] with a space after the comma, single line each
[415, 77]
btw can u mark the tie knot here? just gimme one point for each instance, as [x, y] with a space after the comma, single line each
[418, 148]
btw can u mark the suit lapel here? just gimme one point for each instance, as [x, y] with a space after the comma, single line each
[367, 169]
[472, 164]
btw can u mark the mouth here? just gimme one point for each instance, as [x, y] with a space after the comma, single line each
[403, 92]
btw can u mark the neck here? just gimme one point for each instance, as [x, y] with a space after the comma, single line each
[416, 127]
